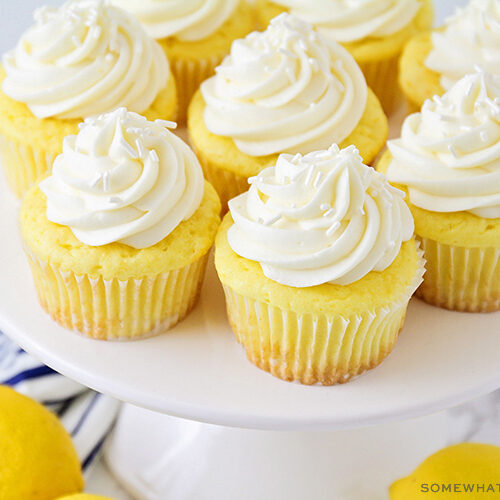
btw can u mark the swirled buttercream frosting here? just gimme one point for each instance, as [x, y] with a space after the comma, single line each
[186, 20]
[285, 90]
[449, 154]
[470, 38]
[123, 179]
[351, 21]
[83, 59]
[320, 218]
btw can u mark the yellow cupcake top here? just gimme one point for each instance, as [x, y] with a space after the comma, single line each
[83, 59]
[449, 154]
[57, 245]
[320, 218]
[123, 179]
[186, 20]
[287, 89]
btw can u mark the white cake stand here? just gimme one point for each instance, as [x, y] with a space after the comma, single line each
[199, 372]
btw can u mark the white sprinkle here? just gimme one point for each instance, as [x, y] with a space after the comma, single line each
[109, 57]
[470, 88]
[115, 200]
[478, 68]
[484, 136]
[154, 156]
[453, 150]
[140, 148]
[334, 148]
[302, 44]
[314, 64]
[294, 205]
[325, 206]
[318, 179]
[333, 229]
[81, 125]
[310, 173]
[76, 41]
[96, 180]
[330, 212]
[272, 220]
[437, 100]
[166, 124]
[105, 181]
[128, 148]
[496, 100]
[291, 74]
[287, 53]
[96, 32]
[253, 179]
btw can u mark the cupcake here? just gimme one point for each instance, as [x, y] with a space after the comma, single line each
[318, 264]
[82, 59]
[448, 160]
[286, 90]
[195, 34]
[433, 62]
[117, 236]
[373, 31]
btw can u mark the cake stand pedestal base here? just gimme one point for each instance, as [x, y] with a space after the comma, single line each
[157, 457]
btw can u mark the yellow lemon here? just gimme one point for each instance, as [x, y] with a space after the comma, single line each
[37, 458]
[466, 470]
[84, 496]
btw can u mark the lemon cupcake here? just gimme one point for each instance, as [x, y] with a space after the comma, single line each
[432, 62]
[82, 59]
[118, 236]
[286, 90]
[318, 264]
[195, 34]
[373, 31]
[448, 159]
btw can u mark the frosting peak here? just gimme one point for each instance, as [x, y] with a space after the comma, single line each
[123, 179]
[449, 154]
[320, 218]
[348, 21]
[83, 59]
[471, 38]
[287, 89]
[187, 20]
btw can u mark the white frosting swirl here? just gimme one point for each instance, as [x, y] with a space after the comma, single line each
[123, 179]
[187, 20]
[286, 90]
[83, 59]
[348, 21]
[449, 154]
[471, 38]
[320, 218]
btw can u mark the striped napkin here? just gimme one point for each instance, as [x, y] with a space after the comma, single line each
[87, 415]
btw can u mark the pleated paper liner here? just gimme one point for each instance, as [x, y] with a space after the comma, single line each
[189, 75]
[23, 165]
[382, 77]
[117, 309]
[317, 348]
[461, 279]
[226, 183]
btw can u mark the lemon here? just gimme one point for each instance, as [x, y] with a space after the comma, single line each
[84, 496]
[37, 458]
[466, 470]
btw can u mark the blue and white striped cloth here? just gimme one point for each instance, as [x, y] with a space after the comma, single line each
[87, 415]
